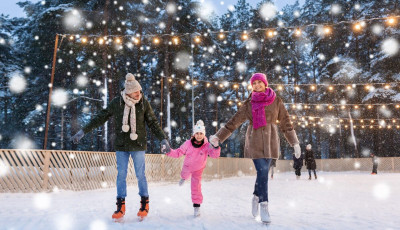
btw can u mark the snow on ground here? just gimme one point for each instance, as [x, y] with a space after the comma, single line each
[347, 200]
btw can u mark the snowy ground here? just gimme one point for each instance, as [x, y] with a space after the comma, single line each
[349, 200]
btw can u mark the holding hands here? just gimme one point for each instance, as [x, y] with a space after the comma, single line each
[214, 141]
[165, 148]
[297, 150]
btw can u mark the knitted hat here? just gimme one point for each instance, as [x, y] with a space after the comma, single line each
[308, 146]
[199, 127]
[131, 84]
[259, 76]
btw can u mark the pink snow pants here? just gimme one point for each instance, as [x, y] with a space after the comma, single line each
[197, 196]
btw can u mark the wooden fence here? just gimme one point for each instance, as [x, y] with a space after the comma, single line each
[45, 170]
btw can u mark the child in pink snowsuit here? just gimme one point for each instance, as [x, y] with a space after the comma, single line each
[196, 151]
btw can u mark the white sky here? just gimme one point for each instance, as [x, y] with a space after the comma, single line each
[9, 7]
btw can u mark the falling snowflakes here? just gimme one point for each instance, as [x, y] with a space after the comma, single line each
[321, 57]
[366, 152]
[22, 142]
[91, 63]
[182, 61]
[336, 9]
[241, 67]
[171, 8]
[251, 44]
[59, 97]
[211, 98]
[42, 201]
[27, 70]
[178, 139]
[381, 191]
[3, 168]
[73, 20]
[205, 10]
[357, 165]
[278, 68]
[296, 14]
[390, 46]
[268, 11]
[17, 84]
[377, 29]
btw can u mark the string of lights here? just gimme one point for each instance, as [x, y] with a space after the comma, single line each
[357, 26]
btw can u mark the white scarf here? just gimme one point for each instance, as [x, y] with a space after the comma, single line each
[129, 107]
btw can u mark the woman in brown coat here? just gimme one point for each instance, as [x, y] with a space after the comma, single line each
[263, 108]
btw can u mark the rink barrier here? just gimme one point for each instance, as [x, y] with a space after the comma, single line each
[33, 170]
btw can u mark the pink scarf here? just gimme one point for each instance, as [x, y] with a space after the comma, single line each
[258, 102]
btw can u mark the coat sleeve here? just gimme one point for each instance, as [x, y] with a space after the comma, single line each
[286, 125]
[101, 117]
[237, 119]
[176, 153]
[152, 122]
[214, 152]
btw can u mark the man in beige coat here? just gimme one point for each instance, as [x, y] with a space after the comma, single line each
[263, 108]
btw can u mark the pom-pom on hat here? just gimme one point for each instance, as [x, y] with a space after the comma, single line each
[131, 84]
[199, 127]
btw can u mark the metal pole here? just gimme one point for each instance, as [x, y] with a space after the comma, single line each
[192, 64]
[53, 69]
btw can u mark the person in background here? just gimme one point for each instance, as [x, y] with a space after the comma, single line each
[297, 165]
[310, 161]
[374, 164]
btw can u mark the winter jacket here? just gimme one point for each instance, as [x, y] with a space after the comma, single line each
[263, 142]
[144, 115]
[298, 162]
[309, 160]
[196, 158]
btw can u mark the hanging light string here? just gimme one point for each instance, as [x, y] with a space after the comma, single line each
[341, 119]
[271, 31]
[312, 86]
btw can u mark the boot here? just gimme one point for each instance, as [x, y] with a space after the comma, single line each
[144, 207]
[264, 213]
[181, 182]
[315, 176]
[120, 209]
[255, 206]
[309, 177]
[196, 210]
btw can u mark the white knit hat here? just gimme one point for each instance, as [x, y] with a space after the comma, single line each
[308, 146]
[199, 127]
[131, 84]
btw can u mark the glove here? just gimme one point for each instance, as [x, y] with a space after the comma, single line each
[165, 148]
[214, 141]
[297, 151]
[78, 136]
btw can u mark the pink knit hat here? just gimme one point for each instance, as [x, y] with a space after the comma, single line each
[260, 77]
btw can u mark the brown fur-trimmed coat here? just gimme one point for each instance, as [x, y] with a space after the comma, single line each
[262, 142]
